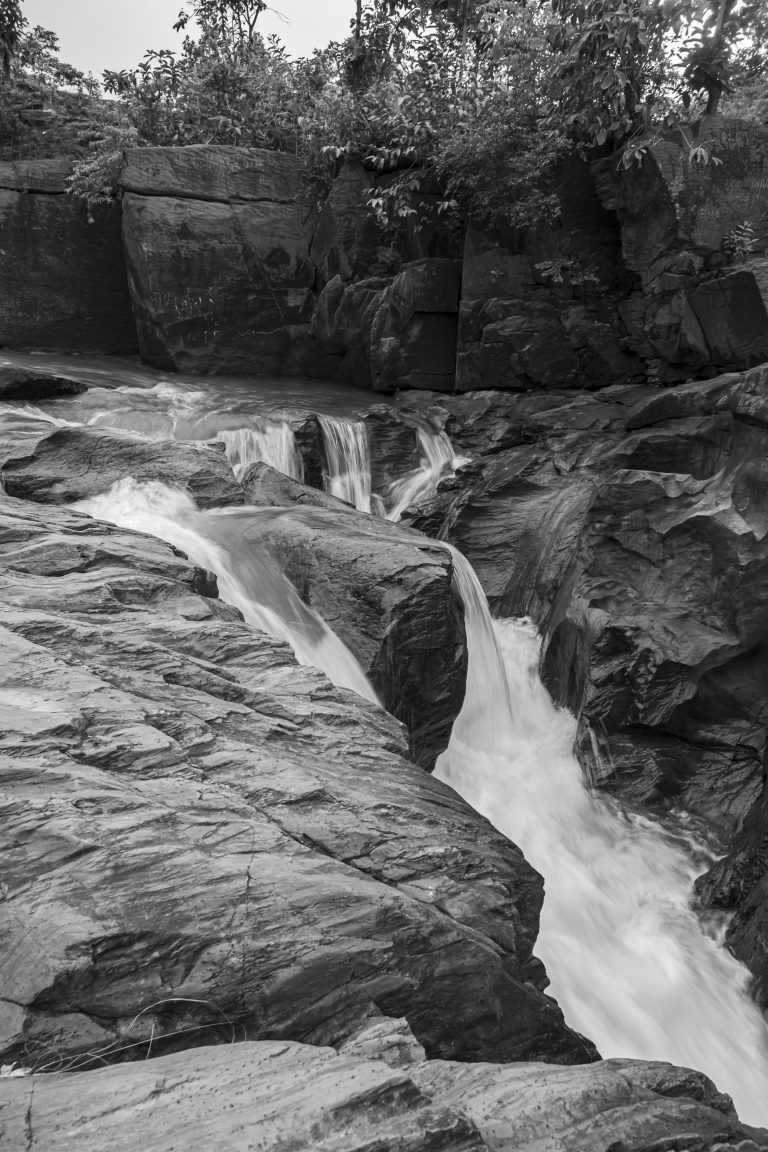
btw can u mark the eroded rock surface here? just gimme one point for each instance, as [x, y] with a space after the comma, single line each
[261, 1096]
[632, 526]
[199, 835]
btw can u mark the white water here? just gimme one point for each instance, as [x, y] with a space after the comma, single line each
[631, 965]
[348, 459]
[437, 457]
[226, 542]
[273, 442]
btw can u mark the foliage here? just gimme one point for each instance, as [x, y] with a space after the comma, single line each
[11, 25]
[740, 242]
[96, 177]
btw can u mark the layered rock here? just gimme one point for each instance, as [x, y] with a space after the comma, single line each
[64, 284]
[268, 1095]
[385, 591]
[198, 835]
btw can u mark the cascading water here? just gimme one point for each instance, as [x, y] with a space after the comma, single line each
[348, 460]
[437, 455]
[631, 964]
[272, 441]
[225, 542]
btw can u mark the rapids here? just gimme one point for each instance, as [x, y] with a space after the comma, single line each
[632, 965]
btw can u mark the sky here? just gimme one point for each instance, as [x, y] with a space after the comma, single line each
[114, 34]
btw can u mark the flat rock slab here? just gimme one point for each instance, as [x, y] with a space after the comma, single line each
[259, 1097]
[197, 835]
[74, 464]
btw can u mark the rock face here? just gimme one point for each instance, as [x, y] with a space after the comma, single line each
[386, 592]
[542, 312]
[63, 285]
[218, 257]
[74, 464]
[631, 524]
[690, 228]
[189, 843]
[269, 1095]
[391, 334]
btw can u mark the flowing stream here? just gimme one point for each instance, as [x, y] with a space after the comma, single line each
[631, 964]
[226, 542]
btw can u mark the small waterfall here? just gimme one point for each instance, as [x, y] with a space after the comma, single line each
[272, 441]
[226, 542]
[437, 454]
[348, 459]
[631, 965]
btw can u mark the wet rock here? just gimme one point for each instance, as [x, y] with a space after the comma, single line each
[632, 525]
[387, 593]
[265, 487]
[394, 446]
[73, 464]
[30, 385]
[201, 840]
[265, 1095]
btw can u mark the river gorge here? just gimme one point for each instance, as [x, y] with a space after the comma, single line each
[384, 671]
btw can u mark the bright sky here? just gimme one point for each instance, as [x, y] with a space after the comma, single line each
[114, 34]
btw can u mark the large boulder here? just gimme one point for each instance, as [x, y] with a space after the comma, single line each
[268, 1095]
[63, 283]
[74, 464]
[218, 258]
[197, 835]
[387, 592]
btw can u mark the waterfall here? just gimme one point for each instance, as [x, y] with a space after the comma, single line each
[436, 454]
[631, 964]
[348, 460]
[226, 542]
[272, 441]
[348, 474]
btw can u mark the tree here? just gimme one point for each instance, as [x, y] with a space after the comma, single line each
[11, 27]
[234, 20]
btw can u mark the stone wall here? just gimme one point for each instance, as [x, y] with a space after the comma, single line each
[63, 284]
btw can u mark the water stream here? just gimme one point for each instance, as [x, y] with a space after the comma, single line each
[631, 964]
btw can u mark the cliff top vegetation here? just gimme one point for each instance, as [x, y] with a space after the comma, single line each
[473, 99]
